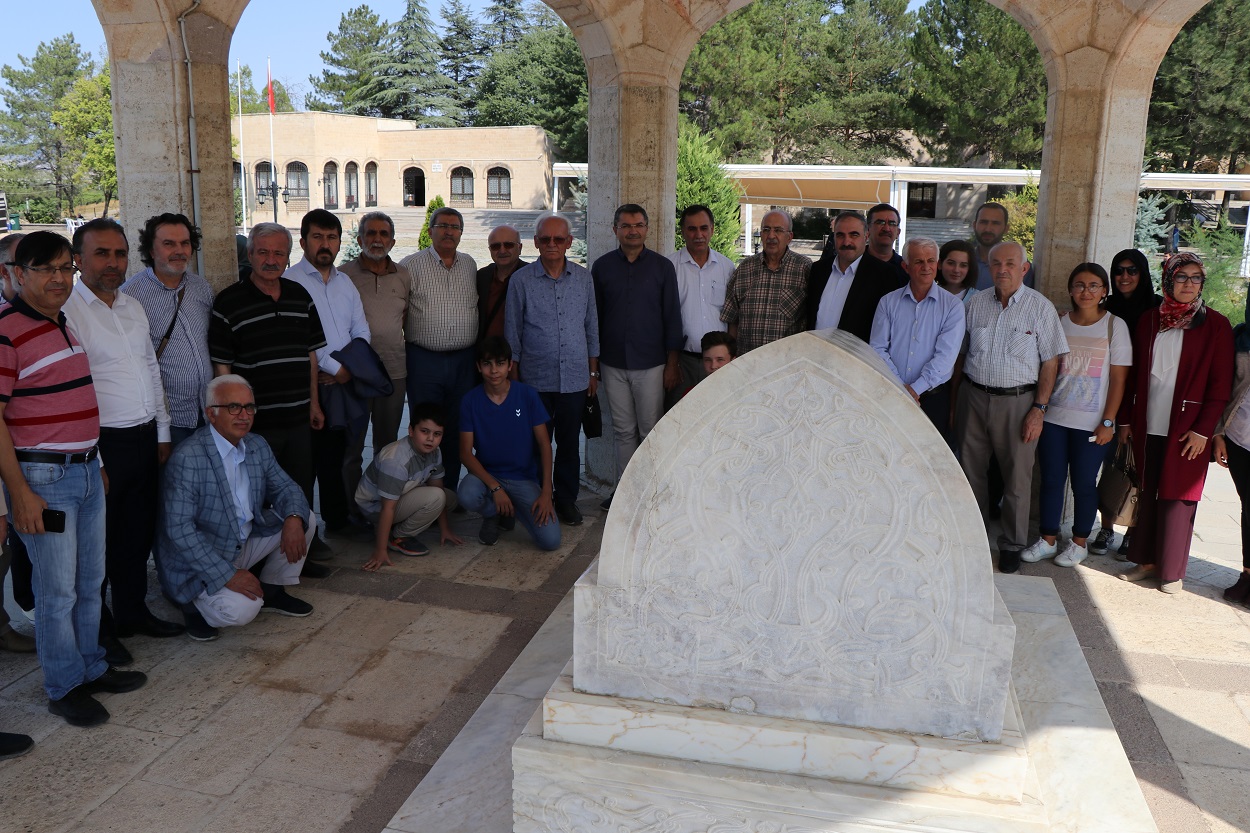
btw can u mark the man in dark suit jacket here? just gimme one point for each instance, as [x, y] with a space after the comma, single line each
[846, 284]
[492, 281]
[227, 506]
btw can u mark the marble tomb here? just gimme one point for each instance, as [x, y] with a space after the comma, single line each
[794, 626]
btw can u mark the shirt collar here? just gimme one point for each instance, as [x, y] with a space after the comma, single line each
[84, 291]
[305, 266]
[391, 266]
[20, 304]
[225, 448]
[850, 270]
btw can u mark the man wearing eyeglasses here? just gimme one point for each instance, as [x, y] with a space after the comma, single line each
[383, 290]
[134, 426]
[883, 231]
[442, 328]
[492, 280]
[764, 301]
[553, 327]
[227, 506]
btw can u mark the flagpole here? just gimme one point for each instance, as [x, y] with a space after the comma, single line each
[273, 164]
[242, 157]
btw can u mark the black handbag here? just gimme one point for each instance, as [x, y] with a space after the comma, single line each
[1119, 487]
[592, 418]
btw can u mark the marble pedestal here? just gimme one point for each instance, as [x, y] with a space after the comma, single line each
[596, 763]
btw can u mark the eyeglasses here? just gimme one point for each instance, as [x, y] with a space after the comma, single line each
[1087, 287]
[1198, 279]
[1131, 271]
[507, 244]
[448, 226]
[627, 226]
[774, 230]
[548, 241]
[885, 223]
[235, 407]
[63, 271]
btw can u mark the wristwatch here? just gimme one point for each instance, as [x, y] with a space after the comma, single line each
[1041, 406]
[1106, 423]
[594, 374]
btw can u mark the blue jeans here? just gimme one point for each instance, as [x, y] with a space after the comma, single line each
[475, 497]
[1063, 453]
[68, 572]
[444, 378]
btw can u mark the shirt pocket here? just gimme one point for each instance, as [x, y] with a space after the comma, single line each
[1022, 345]
[978, 340]
[716, 293]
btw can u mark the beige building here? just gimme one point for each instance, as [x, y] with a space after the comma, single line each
[344, 163]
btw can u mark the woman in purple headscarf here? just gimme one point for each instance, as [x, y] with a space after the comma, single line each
[1181, 380]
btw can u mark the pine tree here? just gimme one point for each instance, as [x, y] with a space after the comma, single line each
[408, 83]
[505, 24]
[702, 181]
[460, 51]
[979, 87]
[344, 86]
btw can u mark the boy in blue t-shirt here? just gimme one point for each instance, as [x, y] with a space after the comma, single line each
[505, 447]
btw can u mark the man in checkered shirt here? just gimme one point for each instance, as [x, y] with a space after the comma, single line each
[1011, 356]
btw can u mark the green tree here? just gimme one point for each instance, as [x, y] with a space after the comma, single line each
[347, 83]
[1022, 211]
[424, 241]
[788, 81]
[1202, 93]
[979, 89]
[542, 81]
[85, 115]
[702, 181]
[408, 82]
[257, 100]
[1225, 287]
[1152, 224]
[505, 24]
[29, 134]
[460, 53]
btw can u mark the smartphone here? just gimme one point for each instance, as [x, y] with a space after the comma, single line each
[53, 520]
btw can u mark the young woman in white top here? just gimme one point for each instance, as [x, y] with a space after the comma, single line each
[1080, 419]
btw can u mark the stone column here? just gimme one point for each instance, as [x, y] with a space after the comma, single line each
[1100, 61]
[151, 118]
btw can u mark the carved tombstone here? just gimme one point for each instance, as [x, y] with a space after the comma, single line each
[795, 540]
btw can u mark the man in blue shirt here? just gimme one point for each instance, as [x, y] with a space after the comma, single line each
[553, 327]
[640, 331]
[918, 331]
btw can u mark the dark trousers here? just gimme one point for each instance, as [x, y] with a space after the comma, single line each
[1165, 528]
[565, 427]
[1239, 468]
[329, 447]
[129, 519]
[292, 448]
[442, 377]
[936, 404]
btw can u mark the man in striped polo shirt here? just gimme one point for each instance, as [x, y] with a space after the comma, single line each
[49, 427]
[266, 329]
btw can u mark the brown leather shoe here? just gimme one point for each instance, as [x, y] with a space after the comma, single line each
[18, 643]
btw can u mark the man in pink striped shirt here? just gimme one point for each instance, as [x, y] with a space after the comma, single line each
[49, 427]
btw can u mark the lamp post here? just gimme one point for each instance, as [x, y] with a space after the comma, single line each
[272, 191]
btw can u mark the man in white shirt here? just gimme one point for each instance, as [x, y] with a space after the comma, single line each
[702, 275]
[134, 426]
[342, 319]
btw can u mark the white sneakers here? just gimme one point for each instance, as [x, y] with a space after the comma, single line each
[1072, 555]
[1039, 549]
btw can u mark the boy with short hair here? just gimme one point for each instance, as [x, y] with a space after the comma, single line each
[719, 349]
[501, 422]
[402, 490]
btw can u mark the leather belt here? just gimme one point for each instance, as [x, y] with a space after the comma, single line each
[56, 457]
[1016, 391]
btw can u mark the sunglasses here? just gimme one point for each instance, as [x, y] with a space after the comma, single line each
[1132, 271]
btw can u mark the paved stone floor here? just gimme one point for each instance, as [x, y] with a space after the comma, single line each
[329, 723]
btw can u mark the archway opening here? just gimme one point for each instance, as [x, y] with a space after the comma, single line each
[414, 188]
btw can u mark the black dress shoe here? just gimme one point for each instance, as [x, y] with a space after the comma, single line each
[12, 745]
[197, 628]
[319, 550]
[1009, 561]
[115, 653]
[79, 708]
[568, 513]
[277, 600]
[314, 570]
[1240, 591]
[149, 626]
[113, 681]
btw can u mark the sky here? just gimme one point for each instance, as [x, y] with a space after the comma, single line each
[295, 51]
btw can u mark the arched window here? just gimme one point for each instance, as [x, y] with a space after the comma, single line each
[414, 187]
[499, 188]
[330, 185]
[461, 186]
[297, 180]
[351, 185]
[263, 177]
[371, 184]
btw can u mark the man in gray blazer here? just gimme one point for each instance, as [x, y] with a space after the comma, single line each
[228, 506]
